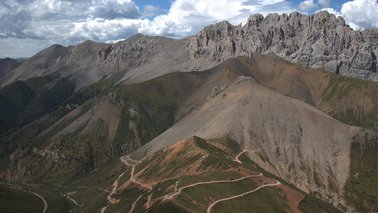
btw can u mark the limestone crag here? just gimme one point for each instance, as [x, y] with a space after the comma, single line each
[321, 41]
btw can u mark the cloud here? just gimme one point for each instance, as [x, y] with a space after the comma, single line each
[361, 14]
[307, 5]
[325, 3]
[331, 11]
[26, 25]
[151, 11]
[151, 8]
[185, 17]
[46, 19]
[25, 47]
[106, 30]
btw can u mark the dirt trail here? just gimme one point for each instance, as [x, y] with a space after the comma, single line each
[171, 196]
[133, 164]
[240, 195]
[237, 156]
[103, 209]
[73, 200]
[43, 200]
[148, 203]
[134, 203]
[115, 185]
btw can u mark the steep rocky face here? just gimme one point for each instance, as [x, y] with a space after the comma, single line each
[318, 41]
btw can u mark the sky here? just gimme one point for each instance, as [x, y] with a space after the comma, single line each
[28, 26]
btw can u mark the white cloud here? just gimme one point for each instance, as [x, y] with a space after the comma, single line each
[325, 3]
[331, 11]
[151, 8]
[361, 14]
[151, 11]
[186, 17]
[16, 47]
[106, 30]
[308, 5]
[38, 22]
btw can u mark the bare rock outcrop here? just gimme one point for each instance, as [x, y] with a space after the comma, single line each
[321, 41]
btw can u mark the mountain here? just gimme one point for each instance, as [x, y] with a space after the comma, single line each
[136, 59]
[190, 125]
[7, 65]
[318, 41]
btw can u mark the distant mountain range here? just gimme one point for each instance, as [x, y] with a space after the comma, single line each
[278, 115]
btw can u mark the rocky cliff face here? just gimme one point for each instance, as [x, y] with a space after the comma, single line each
[318, 41]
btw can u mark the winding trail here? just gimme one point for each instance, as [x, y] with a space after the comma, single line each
[134, 203]
[240, 195]
[74, 201]
[237, 156]
[103, 209]
[148, 203]
[133, 164]
[178, 190]
[115, 185]
[43, 200]
[171, 196]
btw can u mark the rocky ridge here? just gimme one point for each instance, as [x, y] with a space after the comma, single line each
[321, 40]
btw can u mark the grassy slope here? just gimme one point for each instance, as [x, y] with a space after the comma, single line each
[23, 101]
[11, 200]
[20, 199]
[178, 163]
[362, 185]
[83, 152]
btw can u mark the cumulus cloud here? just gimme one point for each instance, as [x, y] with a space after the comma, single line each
[68, 22]
[106, 30]
[361, 14]
[29, 26]
[331, 11]
[49, 19]
[325, 3]
[308, 5]
[185, 17]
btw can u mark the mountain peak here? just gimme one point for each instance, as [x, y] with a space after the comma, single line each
[321, 40]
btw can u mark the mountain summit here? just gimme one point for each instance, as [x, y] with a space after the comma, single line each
[321, 40]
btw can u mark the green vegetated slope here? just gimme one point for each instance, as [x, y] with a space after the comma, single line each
[362, 187]
[16, 200]
[23, 101]
[25, 198]
[81, 135]
[196, 160]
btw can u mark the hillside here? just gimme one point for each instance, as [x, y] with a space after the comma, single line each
[194, 175]
[241, 98]
[7, 65]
